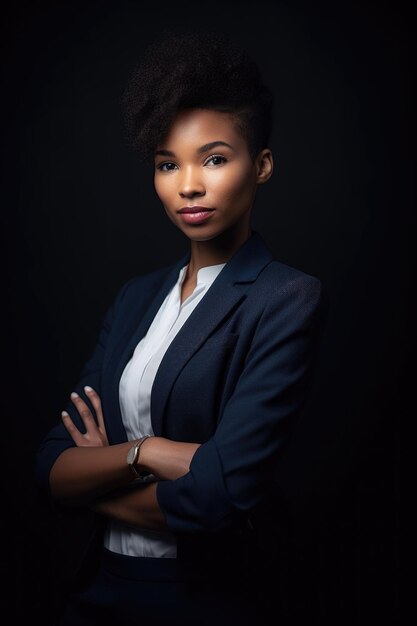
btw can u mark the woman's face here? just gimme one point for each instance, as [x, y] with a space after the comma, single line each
[193, 169]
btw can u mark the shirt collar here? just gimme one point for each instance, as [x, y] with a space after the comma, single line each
[205, 275]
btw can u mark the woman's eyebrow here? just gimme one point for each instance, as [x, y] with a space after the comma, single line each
[200, 150]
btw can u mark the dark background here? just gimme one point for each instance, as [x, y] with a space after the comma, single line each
[80, 217]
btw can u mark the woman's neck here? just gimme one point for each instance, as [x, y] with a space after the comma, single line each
[214, 251]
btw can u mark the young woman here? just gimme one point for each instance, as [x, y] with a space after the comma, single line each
[173, 431]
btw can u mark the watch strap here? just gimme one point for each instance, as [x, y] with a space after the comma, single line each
[136, 455]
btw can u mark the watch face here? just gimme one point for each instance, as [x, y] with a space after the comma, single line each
[131, 455]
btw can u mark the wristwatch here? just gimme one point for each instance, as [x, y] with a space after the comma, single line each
[133, 457]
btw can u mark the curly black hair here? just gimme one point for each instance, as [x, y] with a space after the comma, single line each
[196, 70]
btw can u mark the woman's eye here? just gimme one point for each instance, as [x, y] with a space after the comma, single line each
[162, 165]
[218, 158]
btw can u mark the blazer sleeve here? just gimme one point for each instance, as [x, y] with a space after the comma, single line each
[230, 473]
[58, 438]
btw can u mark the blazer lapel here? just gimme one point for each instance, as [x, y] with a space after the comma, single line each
[225, 293]
[126, 346]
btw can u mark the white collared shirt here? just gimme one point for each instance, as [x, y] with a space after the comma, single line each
[135, 394]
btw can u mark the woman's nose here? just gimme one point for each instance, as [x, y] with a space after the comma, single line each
[191, 183]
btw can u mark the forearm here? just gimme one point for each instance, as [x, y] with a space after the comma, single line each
[138, 507]
[81, 474]
[166, 459]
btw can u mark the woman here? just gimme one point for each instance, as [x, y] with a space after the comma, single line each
[180, 415]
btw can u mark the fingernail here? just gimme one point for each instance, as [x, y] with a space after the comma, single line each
[64, 414]
[74, 395]
[88, 389]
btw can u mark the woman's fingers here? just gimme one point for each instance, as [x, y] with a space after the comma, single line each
[96, 402]
[95, 434]
[84, 411]
[72, 429]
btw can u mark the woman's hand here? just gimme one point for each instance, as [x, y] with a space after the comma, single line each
[95, 435]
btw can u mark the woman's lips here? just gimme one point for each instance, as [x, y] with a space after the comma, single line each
[196, 217]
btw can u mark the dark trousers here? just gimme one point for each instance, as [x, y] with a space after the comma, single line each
[157, 592]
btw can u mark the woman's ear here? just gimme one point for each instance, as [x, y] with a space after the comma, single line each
[264, 166]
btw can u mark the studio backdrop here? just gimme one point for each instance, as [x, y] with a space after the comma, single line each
[80, 217]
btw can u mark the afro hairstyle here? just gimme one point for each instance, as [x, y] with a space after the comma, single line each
[197, 70]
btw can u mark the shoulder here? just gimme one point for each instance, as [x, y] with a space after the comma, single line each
[280, 282]
[142, 283]
[288, 302]
[284, 296]
[280, 274]
[148, 278]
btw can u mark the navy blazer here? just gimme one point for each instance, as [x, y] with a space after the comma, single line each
[234, 379]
